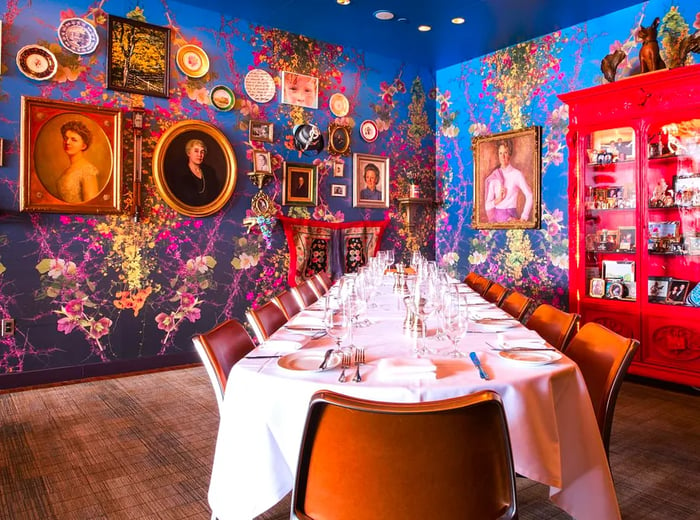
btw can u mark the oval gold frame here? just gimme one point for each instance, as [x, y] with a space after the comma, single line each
[335, 147]
[162, 148]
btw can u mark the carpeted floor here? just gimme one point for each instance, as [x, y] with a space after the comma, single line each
[141, 447]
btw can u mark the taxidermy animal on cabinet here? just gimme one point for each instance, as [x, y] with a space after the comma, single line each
[610, 63]
[690, 43]
[649, 57]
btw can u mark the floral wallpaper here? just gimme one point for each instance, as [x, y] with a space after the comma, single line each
[515, 88]
[92, 289]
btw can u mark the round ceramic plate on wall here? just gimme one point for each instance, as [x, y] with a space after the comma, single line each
[339, 105]
[222, 98]
[369, 130]
[78, 36]
[36, 62]
[259, 86]
[192, 61]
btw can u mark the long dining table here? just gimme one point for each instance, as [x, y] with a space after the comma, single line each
[554, 434]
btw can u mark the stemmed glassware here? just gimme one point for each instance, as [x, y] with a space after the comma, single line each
[454, 316]
[423, 301]
[337, 320]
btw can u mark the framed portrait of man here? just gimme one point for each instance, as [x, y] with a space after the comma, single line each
[299, 184]
[507, 172]
[194, 168]
[71, 157]
[370, 181]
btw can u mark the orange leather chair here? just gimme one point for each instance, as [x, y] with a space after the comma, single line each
[305, 293]
[479, 283]
[324, 279]
[447, 459]
[495, 293]
[288, 303]
[554, 325]
[516, 304]
[265, 320]
[220, 348]
[603, 357]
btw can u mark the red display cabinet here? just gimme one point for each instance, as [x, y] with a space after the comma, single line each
[634, 215]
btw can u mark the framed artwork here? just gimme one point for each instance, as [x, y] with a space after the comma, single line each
[687, 190]
[622, 269]
[194, 168]
[507, 172]
[260, 131]
[299, 90]
[608, 239]
[677, 291]
[692, 244]
[597, 288]
[617, 144]
[339, 190]
[71, 157]
[615, 289]
[138, 57]
[338, 168]
[370, 181]
[262, 161]
[300, 184]
[627, 236]
[338, 139]
[664, 229]
[657, 288]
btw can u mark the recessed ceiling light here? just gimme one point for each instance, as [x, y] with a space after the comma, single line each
[424, 28]
[383, 14]
[343, 2]
[457, 21]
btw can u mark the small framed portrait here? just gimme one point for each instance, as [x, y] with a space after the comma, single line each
[677, 291]
[687, 190]
[608, 239]
[299, 90]
[261, 161]
[338, 139]
[71, 157]
[664, 229]
[507, 172]
[338, 168]
[657, 288]
[692, 244]
[339, 190]
[618, 143]
[260, 131]
[597, 288]
[370, 181]
[615, 289]
[299, 184]
[627, 238]
[138, 57]
[194, 168]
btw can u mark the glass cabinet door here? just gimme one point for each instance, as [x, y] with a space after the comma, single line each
[610, 231]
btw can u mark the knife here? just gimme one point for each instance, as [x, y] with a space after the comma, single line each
[477, 364]
[326, 357]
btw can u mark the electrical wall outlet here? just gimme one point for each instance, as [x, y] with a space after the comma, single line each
[7, 327]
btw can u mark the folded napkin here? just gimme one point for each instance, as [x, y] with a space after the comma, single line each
[279, 346]
[405, 368]
[521, 338]
[489, 314]
[304, 320]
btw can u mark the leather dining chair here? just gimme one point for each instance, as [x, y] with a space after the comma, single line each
[603, 357]
[219, 349]
[557, 327]
[305, 293]
[265, 320]
[479, 283]
[516, 304]
[317, 285]
[447, 459]
[324, 279]
[495, 293]
[288, 303]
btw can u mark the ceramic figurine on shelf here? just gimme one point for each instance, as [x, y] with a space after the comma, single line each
[649, 56]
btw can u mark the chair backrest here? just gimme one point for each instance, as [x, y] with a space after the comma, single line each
[305, 293]
[603, 357]
[554, 325]
[220, 348]
[317, 285]
[470, 278]
[446, 459]
[288, 303]
[480, 284]
[495, 293]
[516, 304]
[325, 279]
[265, 320]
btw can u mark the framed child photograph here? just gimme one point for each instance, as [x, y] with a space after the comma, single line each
[299, 89]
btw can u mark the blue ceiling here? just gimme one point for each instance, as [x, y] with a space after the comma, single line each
[490, 24]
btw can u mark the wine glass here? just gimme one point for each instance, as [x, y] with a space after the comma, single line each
[389, 258]
[454, 317]
[336, 321]
[424, 300]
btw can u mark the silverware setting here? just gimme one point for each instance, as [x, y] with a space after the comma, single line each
[517, 349]
[264, 357]
[326, 357]
[359, 356]
[477, 364]
[345, 363]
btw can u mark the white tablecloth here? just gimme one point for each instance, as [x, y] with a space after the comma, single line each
[553, 430]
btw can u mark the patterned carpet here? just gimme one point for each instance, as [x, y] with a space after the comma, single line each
[141, 447]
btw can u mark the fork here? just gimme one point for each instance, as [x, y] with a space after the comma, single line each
[345, 363]
[359, 359]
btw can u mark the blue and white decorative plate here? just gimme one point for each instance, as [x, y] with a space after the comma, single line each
[78, 36]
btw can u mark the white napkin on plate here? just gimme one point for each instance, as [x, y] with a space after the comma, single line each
[521, 338]
[405, 368]
[304, 320]
[280, 345]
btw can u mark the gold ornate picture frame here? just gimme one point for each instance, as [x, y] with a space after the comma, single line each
[300, 184]
[70, 157]
[197, 188]
[261, 131]
[507, 173]
[338, 139]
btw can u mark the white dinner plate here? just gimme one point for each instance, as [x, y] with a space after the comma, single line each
[308, 361]
[531, 358]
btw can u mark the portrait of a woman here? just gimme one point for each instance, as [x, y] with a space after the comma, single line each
[194, 182]
[79, 182]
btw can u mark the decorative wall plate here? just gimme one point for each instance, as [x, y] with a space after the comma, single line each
[369, 130]
[192, 61]
[78, 36]
[36, 62]
[222, 97]
[339, 105]
[260, 86]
